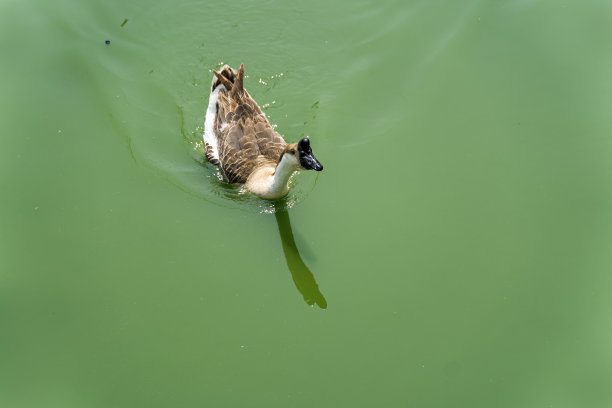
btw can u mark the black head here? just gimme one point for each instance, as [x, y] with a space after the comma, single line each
[307, 159]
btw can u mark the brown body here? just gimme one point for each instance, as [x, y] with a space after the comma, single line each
[246, 140]
[239, 139]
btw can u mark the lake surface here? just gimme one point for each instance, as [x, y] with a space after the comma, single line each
[455, 251]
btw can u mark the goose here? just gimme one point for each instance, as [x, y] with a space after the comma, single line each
[239, 139]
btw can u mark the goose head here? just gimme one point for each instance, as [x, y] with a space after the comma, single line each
[300, 156]
[272, 183]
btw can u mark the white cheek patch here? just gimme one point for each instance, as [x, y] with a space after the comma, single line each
[291, 160]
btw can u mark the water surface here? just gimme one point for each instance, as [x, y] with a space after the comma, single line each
[453, 253]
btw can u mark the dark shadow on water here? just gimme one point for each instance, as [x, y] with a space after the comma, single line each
[302, 277]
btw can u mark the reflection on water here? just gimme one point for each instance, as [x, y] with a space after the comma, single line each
[302, 277]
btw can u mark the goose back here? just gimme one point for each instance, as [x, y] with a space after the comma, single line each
[246, 140]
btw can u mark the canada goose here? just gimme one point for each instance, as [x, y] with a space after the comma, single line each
[239, 139]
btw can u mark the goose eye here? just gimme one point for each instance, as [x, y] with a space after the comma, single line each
[292, 151]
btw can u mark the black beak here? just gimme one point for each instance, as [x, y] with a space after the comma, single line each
[309, 162]
[307, 159]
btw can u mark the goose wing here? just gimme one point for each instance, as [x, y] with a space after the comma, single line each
[246, 139]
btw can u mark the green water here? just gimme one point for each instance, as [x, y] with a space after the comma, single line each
[459, 236]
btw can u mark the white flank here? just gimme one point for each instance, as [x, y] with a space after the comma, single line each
[210, 138]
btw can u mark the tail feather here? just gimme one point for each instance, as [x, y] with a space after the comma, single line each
[232, 81]
[238, 86]
[226, 82]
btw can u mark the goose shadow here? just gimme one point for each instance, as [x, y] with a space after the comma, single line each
[302, 277]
